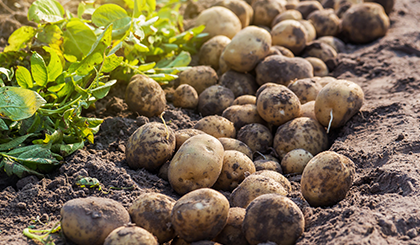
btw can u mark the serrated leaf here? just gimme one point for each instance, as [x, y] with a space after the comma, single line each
[19, 103]
[111, 62]
[55, 68]
[78, 39]
[39, 70]
[42, 11]
[20, 38]
[102, 91]
[14, 143]
[23, 77]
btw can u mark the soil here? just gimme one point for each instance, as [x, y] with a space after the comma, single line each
[382, 206]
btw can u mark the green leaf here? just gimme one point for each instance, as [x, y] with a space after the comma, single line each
[183, 59]
[107, 14]
[14, 168]
[39, 69]
[103, 41]
[163, 77]
[102, 91]
[111, 62]
[14, 143]
[85, 8]
[52, 35]
[23, 77]
[20, 38]
[3, 125]
[20, 150]
[88, 63]
[19, 103]
[78, 39]
[67, 149]
[55, 68]
[42, 11]
[8, 73]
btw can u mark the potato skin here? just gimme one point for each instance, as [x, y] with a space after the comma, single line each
[306, 89]
[295, 161]
[200, 215]
[386, 4]
[219, 21]
[183, 134]
[245, 99]
[256, 136]
[290, 14]
[90, 220]
[320, 68]
[307, 7]
[239, 83]
[327, 178]
[242, 115]
[263, 164]
[290, 34]
[236, 145]
[130, 235]
[319, 50]
[185, 96]
[277, 177]
[334, 42]
[216, 126]
[214, 100]
[308, 110]
[232, 232]
[211, 50]
[265, 11]
[199, 77]
[325, 21]
[243, 10]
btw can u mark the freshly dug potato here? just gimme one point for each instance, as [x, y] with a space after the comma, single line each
[291, 14]
[219, 21]
[236, 166]
[334, 42]
[278, 104]
[273, 218]
[150, 146]
[310, 29]
[90, 220]
[325, 21]
[265, 11]
[214, 100]
[308, 110]
[152, 211]
[243, 10]
[163, 171]
[242, 115]
[325, 80]
[252, 187]
[295, 161]
[301, 132]
[320, 68]
[237, 145]
[216, 126]
[290, 34]
[239, 83]
[307, 7]
[185, 96]
[388, 5]
[197, 164]
[306, 89]
[341, 6]
[277, 177]
[284, 51]
[365, 22]
[266, 157]
[211, 50]
[200, 215]
[245, 99]
[263, 87]
[130, 235]
[183, 134]
[247, 48]
[327, 178]
[145, 96]
[232, 232]
[319, 50]
[256, 136]
[266, 164]
[199, 77]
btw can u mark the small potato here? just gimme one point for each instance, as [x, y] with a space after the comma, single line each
[239, 83]
[150, 146]
[130, 235]
[284, 51]
[237, 145]
[90, 220]
[145, 96]
[185, 96]
[325, 21]
[290, 34]
[211, 50]
[232, 232]
[245, 99]
[273, 218]
[200, 215]
[295, 161]
[320, 68]
[152, 211]
[307, 7]
[319, 50]
[219, 21]
[334, 42]
[243, 10]
[199, 77]
[305, 89]
[242, 115]
[327, 178]
[216, 126]
[277, 177]
[265, 11]
[265, 164]
[301, 132]
[183, 134]
[214, 100]
[197, 164]
[388, 5]
[257, 136]
[308, 110]
[291, 14]
[310, 29]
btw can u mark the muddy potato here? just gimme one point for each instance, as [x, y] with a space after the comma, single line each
[319, 50]
[284, 51]
[310, 29]
[242, 115]
[214, 100]
[219, 21]
[239, 83]
[327, 178]
[245, 99]
[365, 22]
[334, 42]
[150, 146]
[256, 136]
[320, 68]
[211, 50]
[200, 215]
[307, 7]
[237, 145]
[265, 11]
[305, 89]
[386, 4]
[277, 177]
[216, 126]
[325, 21]
[266, 164]
[90, 220]
[308, 110]
[182, 135]
[199, 77]
[197, 164]
[277, 217]
[295, 161]
[145, 96]
[185, 96]
[263, 87]
[290, 34]
[130, 235]
[291, 14]
[152, 211]
[302, 132]
[232, 232]
[243, 10]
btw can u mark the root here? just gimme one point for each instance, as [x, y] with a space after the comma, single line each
[331, 119]
[166, 127]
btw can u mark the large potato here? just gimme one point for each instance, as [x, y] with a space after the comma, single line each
[90, 220]
[214, 100]
[327, 178]
[185, 96]
[150, 146]
[265, 11]
[243, 10]
[130, 235]
[200, 215]
[325, 21]
[305, 89]
[211, 50]
[290, 34]
[240, 83]
[232, 232]
[199, 77]
[216, 126]
[219, 21]
[294, 162]
[257, 136]
[242, 115]
[197, 164]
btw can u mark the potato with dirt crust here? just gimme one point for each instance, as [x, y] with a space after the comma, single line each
[301, 132]
[266, 164]
[290, 14]
[242, 115]
[216, 126]
[256, 136]
[197, 164]
[247, 48]
[239, 83]
[214, 100]
[199, 77]
[334, 42]
[145, 96]
[307, 7]
[306, 89]
[185, 96]
[130, 235]
[320, 68]
[152, 211]
[243, 10]
[265, 11]
[273, 218]
[211, 50]
[337, 102]
[308, 110]
[295, 161]
[236, 145]
[277, 177]
[290, 34]
[325, 21]
[90, 220]
[263, 87]
[245, 100]
[278, 104]
[365, 22]
[182, 135]
[319, 50]
[200, 215]
[236, 166]
[150, 146]
[232, 232]
[283, 51]
[219, 21]
[310, 29]
[327, 178]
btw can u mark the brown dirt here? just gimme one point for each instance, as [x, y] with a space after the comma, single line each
[382, 207]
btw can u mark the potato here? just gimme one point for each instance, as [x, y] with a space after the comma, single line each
[341, 6]
[219, 21]
[200, 215]
[277, 177]
[295, 161]
[214, 100]
[290, 34]
[232, 232]
[197, 164]
[266, 164]
[263, 87]
[325, 21]
[145, 96]
[185, 96]
[291, 14]
[327, 178]
[386, 4]
[308, 110]
[237, 145]
[152, 211]
[305, 89]
[150, 146]
[211, 50]
[291, 4]
[236, 166]
[256, 136]
[334, 42]
[307, 7]
[183, 134]
[320, 68]
[130, 235]
[337, 102]
[243, 10]
[247, 48]
[325, 80]
[223, 67]
[242, 115]
[199, 77]
[302, 132]
[319, 50]
[163, 171]
[284, 51]
[216, 126]
[252, 187]
[273, 218]
[239, 83]
[90, 220]
[245, 99]
[365, 22]
[278, 104]
[265, 11]
[310, 29]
